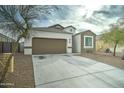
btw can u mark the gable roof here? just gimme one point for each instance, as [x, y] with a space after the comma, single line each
[71, 26]
[6, 37]
[57, 26]
[45, 29]
[85, 32]
[89, 31]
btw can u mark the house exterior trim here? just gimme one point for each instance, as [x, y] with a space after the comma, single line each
[79, 42]
[85, 41]
[45, 34]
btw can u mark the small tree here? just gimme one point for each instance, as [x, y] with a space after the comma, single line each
[114, 36]
[18, 20]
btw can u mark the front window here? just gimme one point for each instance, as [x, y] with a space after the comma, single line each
[88, 41]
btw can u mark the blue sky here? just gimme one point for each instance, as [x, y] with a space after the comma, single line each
[94, 17]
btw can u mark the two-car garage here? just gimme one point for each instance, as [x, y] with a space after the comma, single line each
[48, 46]
[49, 40]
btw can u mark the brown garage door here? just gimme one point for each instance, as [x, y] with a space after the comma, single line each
[48, 46]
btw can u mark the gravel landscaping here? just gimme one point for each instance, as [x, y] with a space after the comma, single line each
[23, 76]
[115, 61]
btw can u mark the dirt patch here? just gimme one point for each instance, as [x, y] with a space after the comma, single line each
[115, 61]
[23, 76]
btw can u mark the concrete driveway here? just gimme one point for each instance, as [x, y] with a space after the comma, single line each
[68, 71]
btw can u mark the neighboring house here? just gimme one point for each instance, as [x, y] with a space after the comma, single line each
[55, 39]
[101, 46]
[84, 42]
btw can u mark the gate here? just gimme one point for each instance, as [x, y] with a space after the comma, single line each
[7, 47]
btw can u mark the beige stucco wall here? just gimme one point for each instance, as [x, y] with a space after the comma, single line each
[76, 43]
[45, 34]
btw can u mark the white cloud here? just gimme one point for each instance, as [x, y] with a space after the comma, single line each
[92, 17]
[77, 20]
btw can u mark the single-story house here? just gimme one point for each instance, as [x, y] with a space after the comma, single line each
[84, 42]
[54, 39]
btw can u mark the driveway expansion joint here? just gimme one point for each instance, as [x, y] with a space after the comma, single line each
[76, 77]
